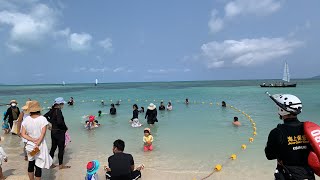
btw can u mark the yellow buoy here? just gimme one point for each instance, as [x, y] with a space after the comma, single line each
[233, 157]
[243, 146]
[254, 133]
[218, 167]
[254, 129]
[253, 124]
[251, 139]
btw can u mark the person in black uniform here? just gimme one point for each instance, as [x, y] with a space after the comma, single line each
[162, 107]
[287, 142]
[113, 110]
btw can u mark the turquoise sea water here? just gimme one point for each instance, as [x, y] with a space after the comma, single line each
[189, 140]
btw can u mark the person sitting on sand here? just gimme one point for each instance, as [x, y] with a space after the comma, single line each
[162, 107]
[92, 169]
[121, 165]
[236, 122]
[147, 140]
[223, 104]
[169, 106]
[113, 110]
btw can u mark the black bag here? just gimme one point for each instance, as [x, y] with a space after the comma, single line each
[294, 173]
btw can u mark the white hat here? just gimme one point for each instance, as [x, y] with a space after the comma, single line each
[151, 106]
[59, 100]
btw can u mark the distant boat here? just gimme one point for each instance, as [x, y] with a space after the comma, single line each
[286, 78]
[63, 83]
[96, 82]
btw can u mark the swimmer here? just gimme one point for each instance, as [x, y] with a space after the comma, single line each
[71, 101]
[236, 122]
[223, 104]
[113, 110]
[162, 107]
[187, 101]
[118, 103]
[99, 113]
[102, 103]
[169, 106]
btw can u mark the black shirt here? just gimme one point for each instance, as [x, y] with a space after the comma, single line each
[113, 111]
[135, 114]
[288, 143]
[10, 114]
[56, 118]
[120, 165]
[162, 107]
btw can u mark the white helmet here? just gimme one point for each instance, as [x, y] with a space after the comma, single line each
[287, 104]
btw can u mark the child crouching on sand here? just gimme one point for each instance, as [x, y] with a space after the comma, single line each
[3, 157]
[92, 168]
[147, 139]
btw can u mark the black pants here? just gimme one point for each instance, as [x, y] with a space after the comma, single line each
[58, 139]
[134, 175]
[31, 166]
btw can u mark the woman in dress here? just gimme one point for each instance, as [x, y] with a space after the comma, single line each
[21, 117]
[34, 129]
[151, 114]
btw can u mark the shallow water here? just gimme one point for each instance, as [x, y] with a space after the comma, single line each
[189, 141]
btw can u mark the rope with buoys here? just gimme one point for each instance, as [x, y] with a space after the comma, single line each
[218, 167]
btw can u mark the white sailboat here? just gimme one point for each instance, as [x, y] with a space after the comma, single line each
[285, 78]
[96, 82]
[63, 83]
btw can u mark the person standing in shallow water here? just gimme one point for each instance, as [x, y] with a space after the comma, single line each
[135, 112]
[58, 130]
[151, 114]
[162, 107]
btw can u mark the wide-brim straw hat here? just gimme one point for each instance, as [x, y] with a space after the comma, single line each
[34, 106]
[13, 101]
[151, 106]
[26, 107]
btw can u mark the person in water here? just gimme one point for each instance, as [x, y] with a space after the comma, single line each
[223, 104]
[287, 142]
[187, 101]
[121, 165]
[169, 106]
[99, 113]
[71, 101]
[102, 103]
[135, 112]
[236, 121]
[141, 110]
[151, 114]
[92, 122]
[162, 107]
[147, 140]
[118, 103]
[113, 110]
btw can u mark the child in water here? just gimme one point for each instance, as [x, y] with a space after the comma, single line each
[5, 125]
[236, 121]
[92, 122]
[147, 139]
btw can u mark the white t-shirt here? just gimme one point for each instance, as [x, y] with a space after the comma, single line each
[34, 126]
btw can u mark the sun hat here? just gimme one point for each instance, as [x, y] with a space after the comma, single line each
[147, 129]
[92, 167]
[34, 106]
[59, 100]
[13, 101]
[25, 107]
[151, 106]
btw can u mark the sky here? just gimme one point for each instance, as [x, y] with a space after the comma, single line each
[51, 41]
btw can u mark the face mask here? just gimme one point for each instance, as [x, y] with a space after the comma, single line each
[13, 104]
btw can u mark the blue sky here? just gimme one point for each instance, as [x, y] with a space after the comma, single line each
[132, 41]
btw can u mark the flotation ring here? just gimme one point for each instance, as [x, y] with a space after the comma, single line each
[312, 133]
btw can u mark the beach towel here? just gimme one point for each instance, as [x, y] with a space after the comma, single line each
[68, 138]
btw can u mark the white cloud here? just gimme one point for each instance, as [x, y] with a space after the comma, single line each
[242, 7]
[14, 48]
[246, 52]
[95, 70]
[186, 70]
[31, 27]
[80, 42]
[164, 71]
[236, 8]
[63, 33]
[215, 23]
[91, 69]
[119, 69]
[106, 44]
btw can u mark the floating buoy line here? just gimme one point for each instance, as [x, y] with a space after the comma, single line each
[217, 167]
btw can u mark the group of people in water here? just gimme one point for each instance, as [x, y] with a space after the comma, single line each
[31, 126]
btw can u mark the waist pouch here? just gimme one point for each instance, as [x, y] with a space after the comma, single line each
[296, 172]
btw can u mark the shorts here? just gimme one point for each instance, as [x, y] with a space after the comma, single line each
[148, 148]
[133, 176]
